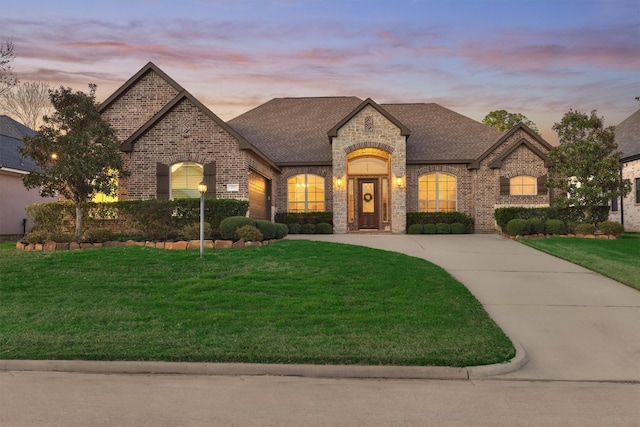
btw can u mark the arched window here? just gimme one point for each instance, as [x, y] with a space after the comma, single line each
[305, 193]
[523, 185]
[185, 178]
[367, 166]
[437, 192]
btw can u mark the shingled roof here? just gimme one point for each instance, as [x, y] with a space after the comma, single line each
[293, 131]
[628, 137]
[11, 134]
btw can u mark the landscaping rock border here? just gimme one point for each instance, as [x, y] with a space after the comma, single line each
[179, 245]
[580, 236]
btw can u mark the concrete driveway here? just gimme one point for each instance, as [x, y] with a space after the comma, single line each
[574, 324]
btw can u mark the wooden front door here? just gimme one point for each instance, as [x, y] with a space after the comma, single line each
[368, 204]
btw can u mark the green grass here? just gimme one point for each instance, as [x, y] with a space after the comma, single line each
[618, 259]
[290, 302]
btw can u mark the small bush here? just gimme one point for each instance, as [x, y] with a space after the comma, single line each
[443, 228]
[98, 235]
[228, 226]
[267, 228]
[518, 227]
[458, 228]
[611, 227]
[324, 228]
[62, 237]
[555, 226]
[281, 231]
[415, 229]
[430, 229]
[192, 232]
[249, 233]
[294, 228]
[537, 226]
[37, 236]
[585, 229]
[308, 229]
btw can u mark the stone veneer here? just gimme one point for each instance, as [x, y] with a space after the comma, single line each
[384, 135]
[630, 171]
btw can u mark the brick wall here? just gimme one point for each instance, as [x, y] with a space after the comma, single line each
[630, 171]
[486, 182]
[464, 179]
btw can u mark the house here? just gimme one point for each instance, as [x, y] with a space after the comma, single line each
[13, 195]
[368, 163]
[627, 210]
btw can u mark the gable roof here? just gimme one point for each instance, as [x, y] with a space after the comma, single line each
[404, 131]
[133, 80]
[128, 144]
[520, 126]
[11, 134]
[293, 131]
[628, 137]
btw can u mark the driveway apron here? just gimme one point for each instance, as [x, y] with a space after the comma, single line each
[574, 324]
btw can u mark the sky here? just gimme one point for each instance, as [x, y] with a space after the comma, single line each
[535, 57]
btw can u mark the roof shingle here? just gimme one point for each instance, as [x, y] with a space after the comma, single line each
[11, 134]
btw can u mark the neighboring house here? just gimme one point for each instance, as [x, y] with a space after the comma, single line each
[368, 163]
[627, 210]
[13, 195]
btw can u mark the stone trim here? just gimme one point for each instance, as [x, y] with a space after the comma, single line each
[366, 144]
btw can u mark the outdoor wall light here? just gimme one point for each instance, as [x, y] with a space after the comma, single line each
[400, 181]
[339, 182]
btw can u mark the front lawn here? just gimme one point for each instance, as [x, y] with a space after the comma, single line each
[618, 259]
[293, 301]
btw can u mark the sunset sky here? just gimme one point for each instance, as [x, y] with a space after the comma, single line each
[539, 58]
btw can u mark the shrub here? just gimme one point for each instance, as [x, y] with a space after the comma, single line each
[294, 228]
[249, 233]
[518, 227]
[430, 229]
[458, 228]
[537, 226]
[443, 228]
[440, 217]
[37, 236]
[267, 228]
[308, 229]
[228, 226]
[585, 229]
[304, 217]
[281, 230]
[98, 235]
[415, 229]
[611, 227]
[324, 228]
[192, 232]
[555, 226]
[62, 237]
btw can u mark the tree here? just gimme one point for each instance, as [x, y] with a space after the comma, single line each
[7, 78]
[503, 120]
[77, 151]
[586, 165]
[28, 102]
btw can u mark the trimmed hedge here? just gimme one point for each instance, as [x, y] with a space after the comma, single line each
[568, 215]
[443, 228]
[154, 219]
[584, 229]
[304, 217]
[611, 227]
[267, 228]
[324, 228]
[518, 227]
[415, 229]
[458, 228]
[228, 226]
[555, 226]
[308, 228]
[440, 217]
[281, 230]
[294, 228]
[249, 233]
[429, 228]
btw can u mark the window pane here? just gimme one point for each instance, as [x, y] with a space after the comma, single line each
[185, 178]
[367, 166]
[437, 192]
[305, 193]
[523, 185]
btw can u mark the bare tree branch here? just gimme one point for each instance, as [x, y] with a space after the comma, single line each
[28, 102]
[7, 78]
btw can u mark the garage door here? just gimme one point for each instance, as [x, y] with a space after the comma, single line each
[259, 196]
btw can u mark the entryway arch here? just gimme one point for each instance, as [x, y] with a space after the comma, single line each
[368, 189]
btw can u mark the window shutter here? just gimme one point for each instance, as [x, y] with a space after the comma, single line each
[162, 181]
[542, 185]
[505, 186]
[209, 177]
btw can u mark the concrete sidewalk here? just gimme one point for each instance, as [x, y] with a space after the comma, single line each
[574, 324]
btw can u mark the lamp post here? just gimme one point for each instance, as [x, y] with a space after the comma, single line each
[202, 188]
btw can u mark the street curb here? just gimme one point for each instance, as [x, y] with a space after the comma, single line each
[239, 369]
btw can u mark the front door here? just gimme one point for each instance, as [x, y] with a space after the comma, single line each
[368, 204]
